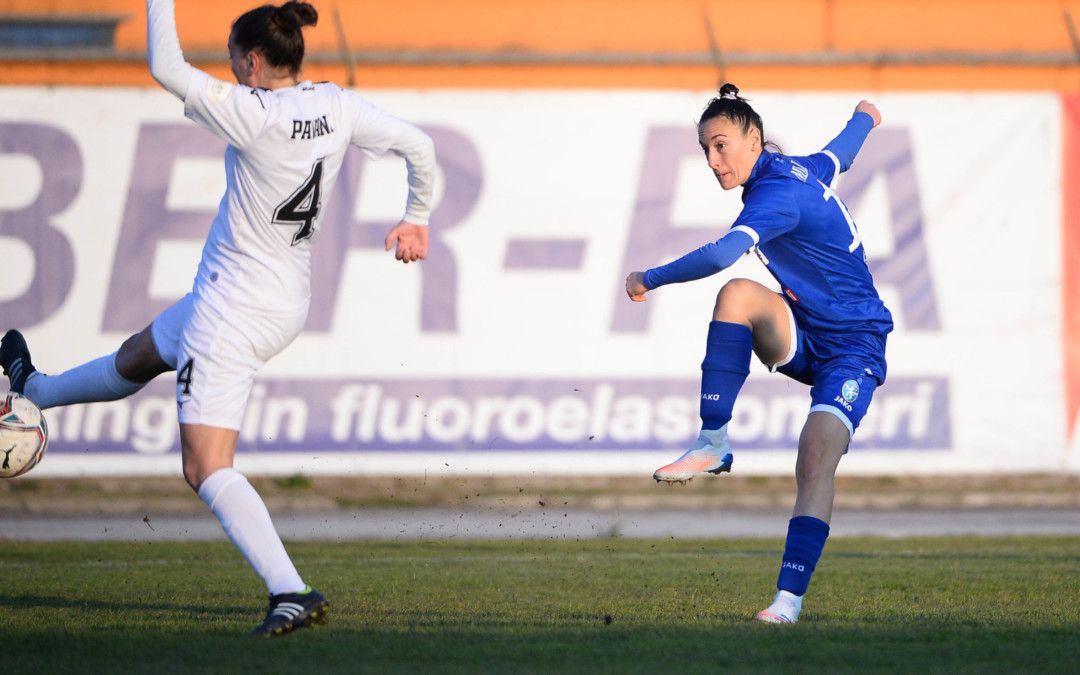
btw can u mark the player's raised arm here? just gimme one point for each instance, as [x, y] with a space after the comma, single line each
[870, 109]
[847, 144]
[166, 59]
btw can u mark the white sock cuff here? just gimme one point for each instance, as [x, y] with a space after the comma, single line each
[795, 600]
[216, 483]
[717, 437]
[116, 382]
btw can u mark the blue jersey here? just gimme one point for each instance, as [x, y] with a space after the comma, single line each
[809, 243]
[804, 235]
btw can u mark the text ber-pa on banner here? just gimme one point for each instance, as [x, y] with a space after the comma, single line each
[514, 347]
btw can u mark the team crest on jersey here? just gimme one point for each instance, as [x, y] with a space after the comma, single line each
[850, 391]
[217, 91]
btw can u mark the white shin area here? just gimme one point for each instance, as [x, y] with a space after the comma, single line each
[247, 523]
[96, 380]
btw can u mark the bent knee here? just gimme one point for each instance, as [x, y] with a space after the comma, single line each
[193, 475]
[740, 299]
[138, 360]
[740, 290]
[196, 471]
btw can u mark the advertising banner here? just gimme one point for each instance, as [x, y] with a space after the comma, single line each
[513, 348]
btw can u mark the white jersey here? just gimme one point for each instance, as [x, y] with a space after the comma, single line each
[285, 150]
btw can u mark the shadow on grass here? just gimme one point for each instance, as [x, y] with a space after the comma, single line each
[730, 643]
[34, 601]
[564, 643]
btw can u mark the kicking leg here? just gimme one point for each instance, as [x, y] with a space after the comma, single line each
[747, 317]
[142, 357]
[107, 378]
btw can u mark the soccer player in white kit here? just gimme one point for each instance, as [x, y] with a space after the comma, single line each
[287, 140]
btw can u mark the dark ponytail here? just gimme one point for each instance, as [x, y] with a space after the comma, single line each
[276, 32]
[737, 110]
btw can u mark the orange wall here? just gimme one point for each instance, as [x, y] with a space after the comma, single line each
[614, 26]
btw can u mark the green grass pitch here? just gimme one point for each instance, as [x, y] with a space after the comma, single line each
[951, 605]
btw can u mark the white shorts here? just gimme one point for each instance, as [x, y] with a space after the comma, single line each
[216, 355]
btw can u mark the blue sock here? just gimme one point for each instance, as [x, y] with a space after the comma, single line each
[805, 540]
[726, 365]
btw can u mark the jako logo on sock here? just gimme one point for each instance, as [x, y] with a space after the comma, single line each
[793, 566]
[710, 397]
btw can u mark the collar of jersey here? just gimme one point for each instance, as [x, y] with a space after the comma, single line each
[759, 167]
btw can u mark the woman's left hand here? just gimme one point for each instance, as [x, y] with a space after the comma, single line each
[411, 240]
[871, 110]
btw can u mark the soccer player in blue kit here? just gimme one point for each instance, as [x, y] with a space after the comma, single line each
[825, 328]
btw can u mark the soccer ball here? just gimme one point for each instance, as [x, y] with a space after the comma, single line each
[23, 434]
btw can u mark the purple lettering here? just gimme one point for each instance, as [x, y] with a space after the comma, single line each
[54, 261]
[461, 169]
[544, 254]
[504, 414]
[147, 221]
[653, 237]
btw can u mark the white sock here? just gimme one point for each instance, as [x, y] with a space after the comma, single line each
[97, 380]
[716, 437]
[787, 604]
[246, 521]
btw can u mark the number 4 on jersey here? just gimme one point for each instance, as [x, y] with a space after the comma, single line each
[183, 377]
[303, 206]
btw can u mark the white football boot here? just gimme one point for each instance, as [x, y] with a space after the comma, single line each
[784, 609]
[711, 453]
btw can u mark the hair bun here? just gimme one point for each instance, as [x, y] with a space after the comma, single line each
[729, 91]
[299, 13]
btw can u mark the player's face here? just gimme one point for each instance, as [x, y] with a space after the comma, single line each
[731, 154]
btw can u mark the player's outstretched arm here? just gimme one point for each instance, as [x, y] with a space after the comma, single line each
[411, 241]
[697, 264]
[848, 143]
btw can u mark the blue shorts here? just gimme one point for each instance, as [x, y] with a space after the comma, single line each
[843, 370]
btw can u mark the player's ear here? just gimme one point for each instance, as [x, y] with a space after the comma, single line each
[252, 62]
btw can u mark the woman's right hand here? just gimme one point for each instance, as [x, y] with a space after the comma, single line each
[635, 286]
